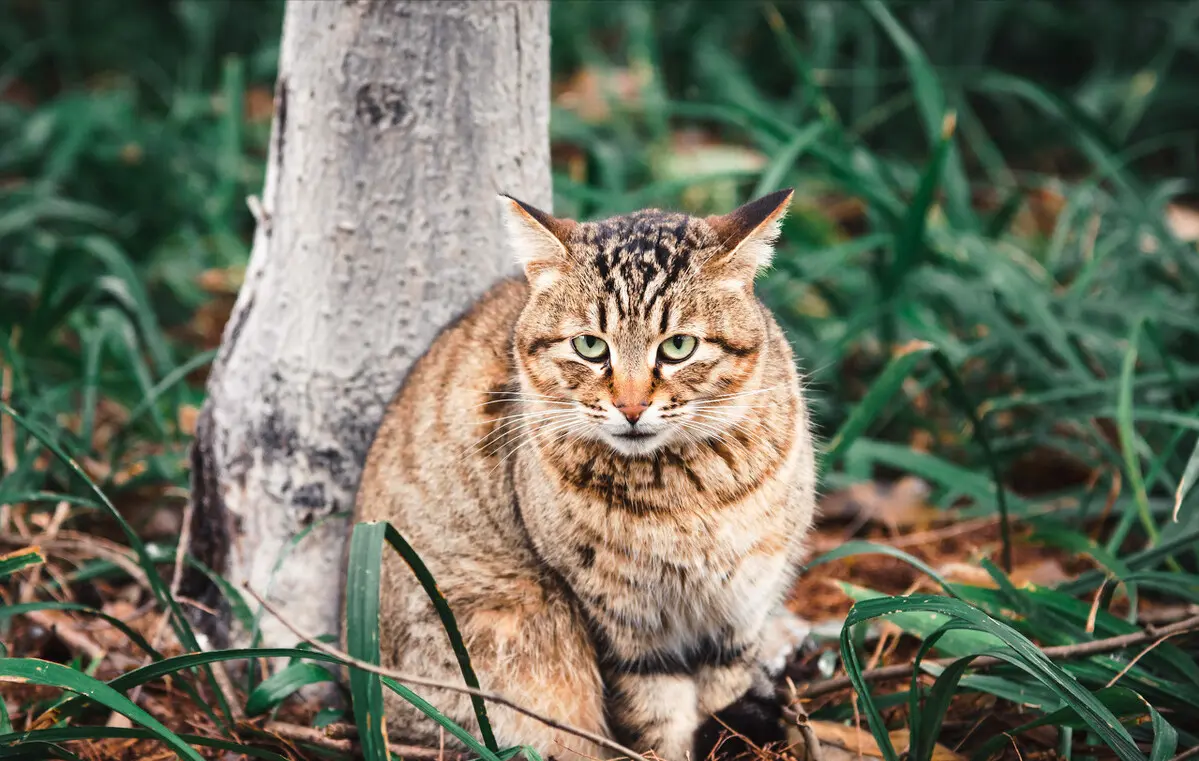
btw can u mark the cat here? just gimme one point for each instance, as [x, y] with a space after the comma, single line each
[607, 467]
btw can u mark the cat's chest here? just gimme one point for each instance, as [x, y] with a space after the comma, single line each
[671, 572]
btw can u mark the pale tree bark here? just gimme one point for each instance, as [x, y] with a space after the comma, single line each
[396, 124]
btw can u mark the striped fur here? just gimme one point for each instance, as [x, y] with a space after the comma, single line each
[620, 584]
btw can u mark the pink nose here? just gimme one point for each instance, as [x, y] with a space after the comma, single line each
[632, 412]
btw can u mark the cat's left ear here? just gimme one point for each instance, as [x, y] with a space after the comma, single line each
[747, 235]
[538, 239]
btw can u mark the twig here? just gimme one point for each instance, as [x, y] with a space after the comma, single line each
[795, 711]
[8, 427]
[425, 681]
[88, 546]
[1061, 652]
[324, 739]
[29, 587]
[62, 627]
[1188, 753]
[1167, 615]
[1136, 658]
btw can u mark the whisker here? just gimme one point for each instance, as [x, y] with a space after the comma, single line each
[524, 421]
[531, 439]
[745, 393]
[518, 392]
[527, 401]
[756, 437]
[531, 414]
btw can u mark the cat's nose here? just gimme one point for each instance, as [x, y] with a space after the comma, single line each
[632, 412]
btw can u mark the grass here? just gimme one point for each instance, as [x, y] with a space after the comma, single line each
[977, 276]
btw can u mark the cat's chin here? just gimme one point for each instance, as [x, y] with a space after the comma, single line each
[636, 446]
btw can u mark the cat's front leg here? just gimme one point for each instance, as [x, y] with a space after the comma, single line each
[737, 699]
[656, 712]
[738, 710]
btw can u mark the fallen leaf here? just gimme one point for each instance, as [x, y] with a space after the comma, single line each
[590, 93]
[222, 280]
[1182, 221]
[839, 742]
[258, 104]
[187, 416]
[898, 505]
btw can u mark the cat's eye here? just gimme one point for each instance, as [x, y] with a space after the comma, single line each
[590, 348]
[677, 348]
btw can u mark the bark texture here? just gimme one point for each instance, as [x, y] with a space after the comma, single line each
[396, 124]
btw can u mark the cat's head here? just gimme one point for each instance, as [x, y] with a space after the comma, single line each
[643, 329]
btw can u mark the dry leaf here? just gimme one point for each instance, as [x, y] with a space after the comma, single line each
[222, 281]
[1045, 572]
[258, 104]
[898, 505]
[839, 742]
[589, 93]
[187, 415]
[1180, 220]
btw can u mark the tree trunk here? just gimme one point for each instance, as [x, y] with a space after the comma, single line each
[396, 124]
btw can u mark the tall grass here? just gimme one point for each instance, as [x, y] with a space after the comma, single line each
[978, 280]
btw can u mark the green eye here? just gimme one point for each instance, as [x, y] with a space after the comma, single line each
[677, 348]
[591, 348]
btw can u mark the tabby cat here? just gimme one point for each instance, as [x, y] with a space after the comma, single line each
[607, 467]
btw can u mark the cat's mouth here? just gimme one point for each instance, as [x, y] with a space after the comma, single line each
[636, 442]
[636, 435]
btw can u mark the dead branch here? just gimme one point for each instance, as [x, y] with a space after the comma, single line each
[329, 738]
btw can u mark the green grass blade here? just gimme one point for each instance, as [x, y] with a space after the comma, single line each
[400, 545]
[1023, 654]
[180, 663]
[118, 263]
[362, 637]
[1187, 482]
[18, 560]
[856, 547]
[1132, 461]
[958, 392]
[910, 246]
[1121, 701]
[931, 102]
[17, 609]
[283, 684]
[77, 734]
[772, 178]
[927, 718]
[33, 671]
[1165, 736]
[363, 577]
[485, 753]
[880, 393]
[37, 751]
[179, 622]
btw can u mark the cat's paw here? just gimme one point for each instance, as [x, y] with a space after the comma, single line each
[738, 731]
[785, 634]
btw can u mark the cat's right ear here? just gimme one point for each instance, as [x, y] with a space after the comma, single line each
[538, 240]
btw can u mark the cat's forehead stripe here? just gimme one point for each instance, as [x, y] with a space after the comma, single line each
[639, 256]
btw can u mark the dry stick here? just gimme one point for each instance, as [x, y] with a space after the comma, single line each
[795, 711]
[1136, 658]
[425, 681]
[1189, 753]
[61, 511]
[313, 736]
[1061, 652]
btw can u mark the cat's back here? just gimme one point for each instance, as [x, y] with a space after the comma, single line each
[439, 452]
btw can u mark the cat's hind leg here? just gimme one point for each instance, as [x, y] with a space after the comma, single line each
[527, 644]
